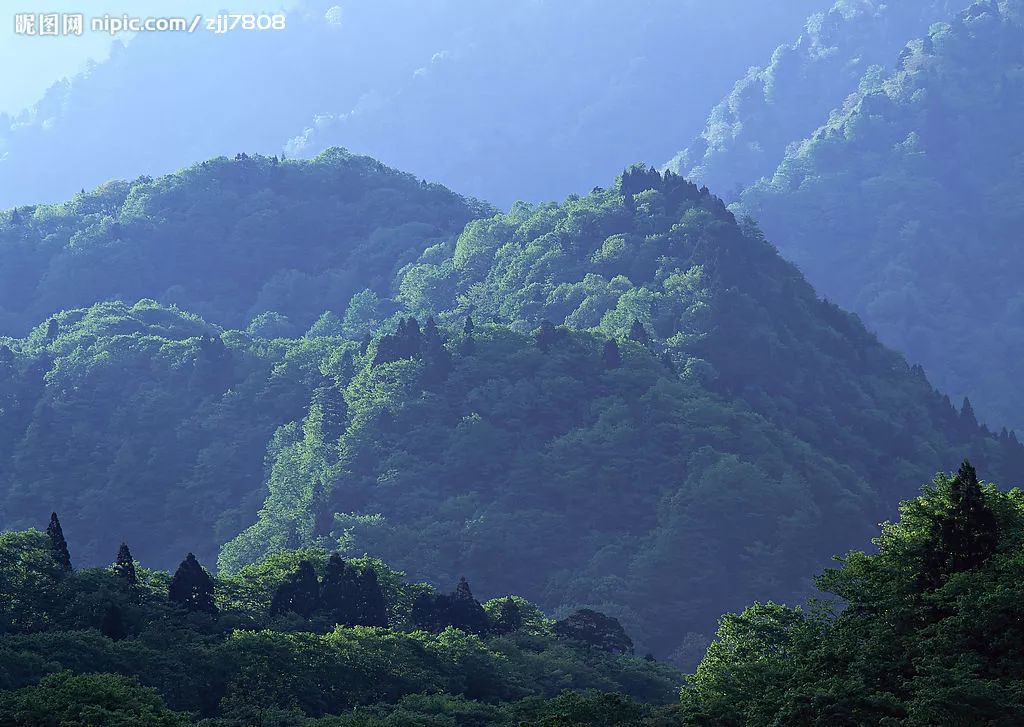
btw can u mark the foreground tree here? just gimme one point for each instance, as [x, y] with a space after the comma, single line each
[57, 543]
[124, 566]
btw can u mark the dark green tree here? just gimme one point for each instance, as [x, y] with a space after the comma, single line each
[339, 592]
[192, 587]
[467, 612]
[124, 566]
[335, 411]
[52, 330]
[638, 333]
[371, 606]
[467, 328]
[610, 356]
[299, 592]
[58, 545]
[113, 626]
[546, 336]
[968, 533]
[595, 630]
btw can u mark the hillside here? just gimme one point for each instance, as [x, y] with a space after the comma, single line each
[905, 205]
[135, 420]
[227, 239]
[748, 132]
[644, 469]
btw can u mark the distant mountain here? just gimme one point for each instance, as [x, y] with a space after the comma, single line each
[747, 133]
[906, 206]
[501, 100]
[712, 434]
[229, 239]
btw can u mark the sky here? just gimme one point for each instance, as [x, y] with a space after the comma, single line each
[41, 61]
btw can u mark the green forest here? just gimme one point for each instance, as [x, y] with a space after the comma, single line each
[925, 630]
[312, 442]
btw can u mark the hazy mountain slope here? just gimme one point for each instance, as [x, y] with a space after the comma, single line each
[906, 207]
[772, 106]
[226, 239]
[584, 473]
[502, 100]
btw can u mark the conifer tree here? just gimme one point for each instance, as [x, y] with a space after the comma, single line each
[968, 421]
[372, 609]
[52, 329]
[638, 333]
[299, 592]
[546, 335]
[467, 328]
[192, 587]
[58, 545]
[969, 533]
[339, 592]
[611, 357]
[124, 566]
[467, 612]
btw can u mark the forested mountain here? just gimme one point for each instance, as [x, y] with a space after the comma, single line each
[905, 206]
[718, 433]
[501, 100]
[748, 132]
[302, 639]
[227, 239]
[144, 422]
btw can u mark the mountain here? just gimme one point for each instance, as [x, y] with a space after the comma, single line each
[550, 94]
[905, 205]
[748, 132]
[709, 431]
[228, 239]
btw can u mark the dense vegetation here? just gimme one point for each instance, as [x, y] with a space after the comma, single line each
[137, 419]
[929, 631]
[291, 641]
[905, 205]
[747, 133]
[227, 239]
[643, 467]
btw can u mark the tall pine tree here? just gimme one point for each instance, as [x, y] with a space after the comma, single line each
[192, 587]
[124, 566]
[58, 545]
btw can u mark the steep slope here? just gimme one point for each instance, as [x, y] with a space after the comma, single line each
[553, 94]
[228, 239]
[145, 423]
[906, 207]
[589, 468]
[747, 133]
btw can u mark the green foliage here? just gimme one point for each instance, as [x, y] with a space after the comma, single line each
[653, 480]
[910, 644]
[903, 206]
[228, 239]
[137, 419]
[87, 700]
[73, 644]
